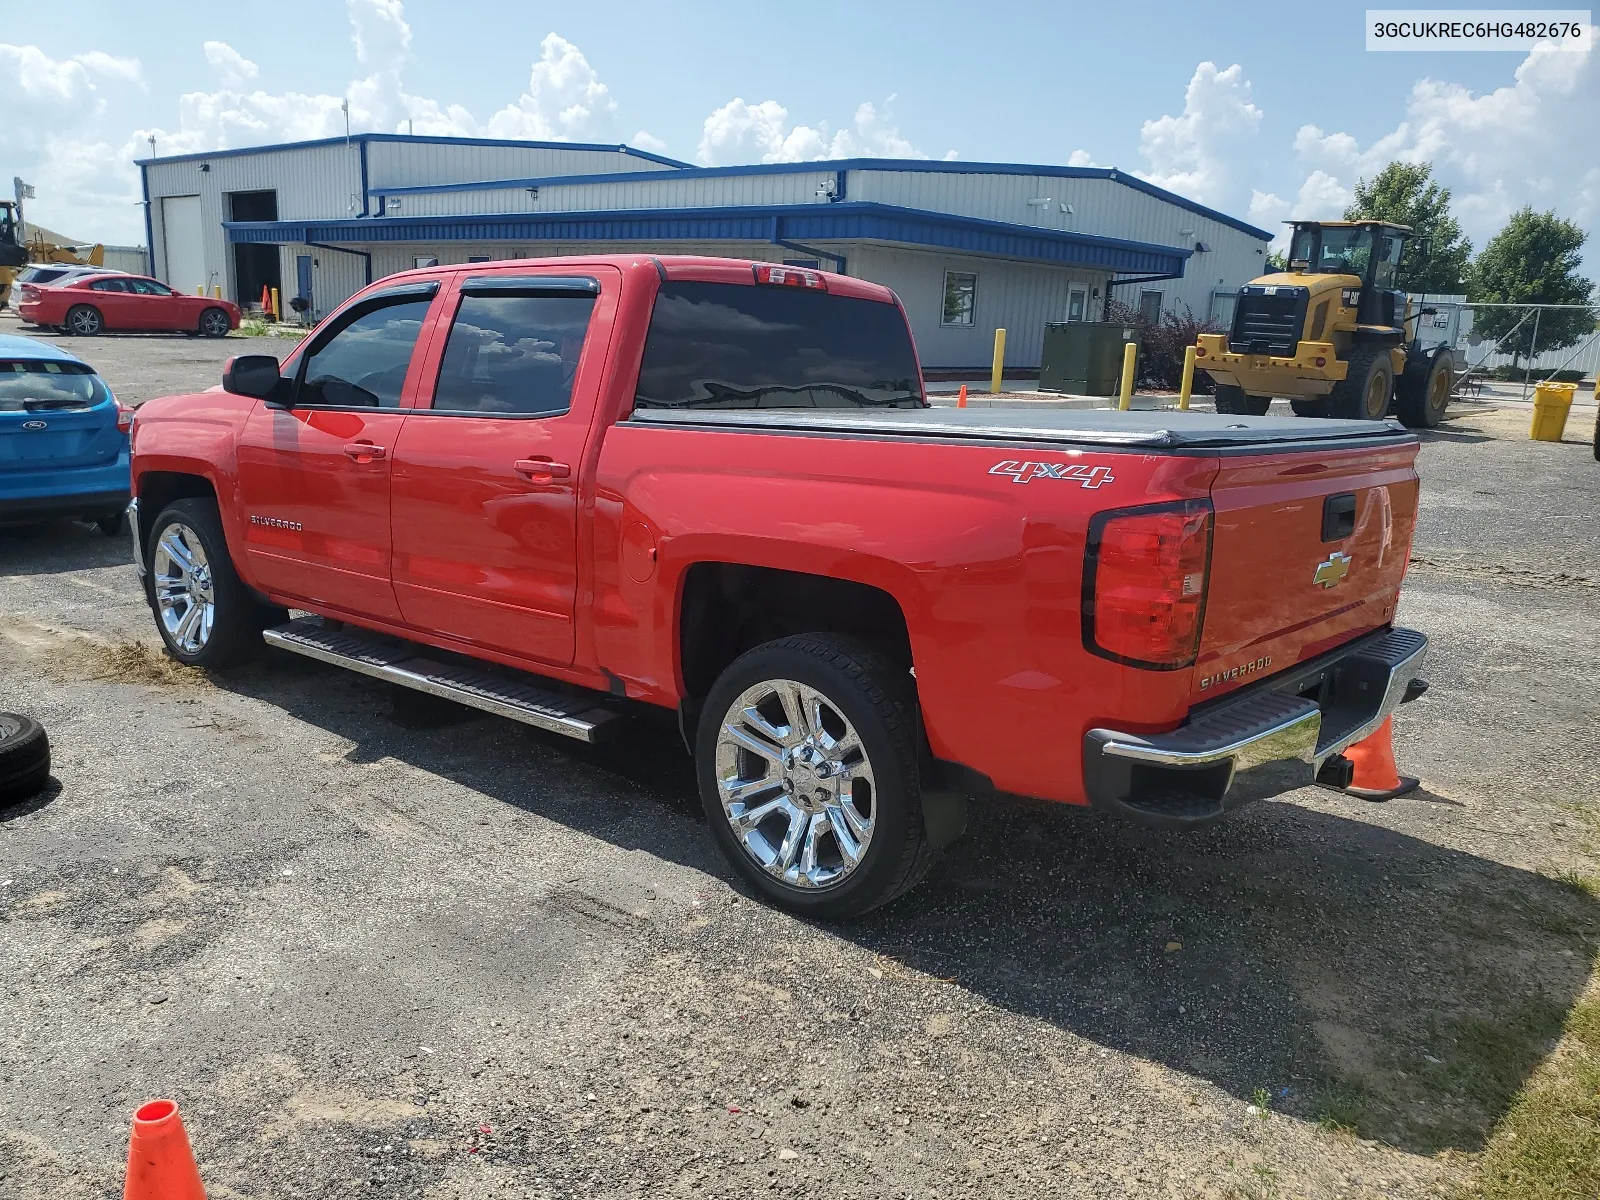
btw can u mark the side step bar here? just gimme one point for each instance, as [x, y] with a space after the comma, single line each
[410, 665]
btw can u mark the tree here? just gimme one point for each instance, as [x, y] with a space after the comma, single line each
[1406, 194]
[1533, 260]
[1277, 260]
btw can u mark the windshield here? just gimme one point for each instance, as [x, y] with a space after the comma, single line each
[1344, 251]
[30, 386]
[729, 345]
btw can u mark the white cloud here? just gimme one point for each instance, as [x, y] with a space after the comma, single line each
[1201, 152]
[1080, 158]
[233, 68]
[1528, 142]
[645, 140]
[565, 99]
[740, 132]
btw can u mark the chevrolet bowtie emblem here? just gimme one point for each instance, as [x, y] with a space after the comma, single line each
[1331, 572]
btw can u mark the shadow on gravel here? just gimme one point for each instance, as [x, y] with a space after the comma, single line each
[1353, 975]
[29, 805]
[52, 547]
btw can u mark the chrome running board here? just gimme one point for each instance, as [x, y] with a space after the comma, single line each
[506, 694]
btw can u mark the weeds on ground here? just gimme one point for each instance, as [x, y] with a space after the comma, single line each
[1587, 885]
[135, 662]
[1548, 1145]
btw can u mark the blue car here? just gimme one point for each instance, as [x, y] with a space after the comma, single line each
[63, 438]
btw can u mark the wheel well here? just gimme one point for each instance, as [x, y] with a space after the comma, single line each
[729, 608]
[157, 489]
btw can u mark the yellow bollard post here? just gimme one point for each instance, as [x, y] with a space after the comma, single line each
[275, 312]
[200, 289]
[999, 360]
[1130, 351]
[1186, 385]
[216, 291]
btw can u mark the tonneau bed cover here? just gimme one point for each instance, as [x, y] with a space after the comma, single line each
[1166, 430]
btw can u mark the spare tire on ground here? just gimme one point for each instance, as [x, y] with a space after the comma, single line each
[24, 757]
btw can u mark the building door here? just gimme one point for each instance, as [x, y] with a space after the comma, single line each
[255, 264]
[314, 477]
[486, 477]
[1150, 307]
[1077, 301]
[302, 282]
[184, 242]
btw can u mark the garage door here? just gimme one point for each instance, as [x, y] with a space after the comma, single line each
[184, 237]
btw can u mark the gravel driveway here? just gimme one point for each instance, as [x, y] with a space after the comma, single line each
[379, 946]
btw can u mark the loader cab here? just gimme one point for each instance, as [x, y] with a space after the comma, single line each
[1370, 251]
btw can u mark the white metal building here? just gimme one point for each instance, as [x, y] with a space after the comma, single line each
[968, 246]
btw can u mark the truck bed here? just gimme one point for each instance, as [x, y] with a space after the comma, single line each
[1176, 432]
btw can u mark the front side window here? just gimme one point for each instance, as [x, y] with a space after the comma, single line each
[363, 363]
[513, 354]
[149, 287]
[960, 298]
[730, 345]
[1383, 273]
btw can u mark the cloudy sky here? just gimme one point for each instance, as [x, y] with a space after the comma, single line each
[1264, 111]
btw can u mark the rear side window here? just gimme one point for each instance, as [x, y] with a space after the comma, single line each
[364, 363]
[28, 386]
[513, 354]
[110, 285]
[729, 345]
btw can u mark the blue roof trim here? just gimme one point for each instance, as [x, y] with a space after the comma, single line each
[850, 221]
[418, 139]
[821, 166]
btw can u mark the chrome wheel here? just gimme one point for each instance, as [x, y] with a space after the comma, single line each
[214, 323]
[84, 321]
[185, 595]
[795, 782]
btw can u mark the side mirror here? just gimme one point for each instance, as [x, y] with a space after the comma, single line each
[252, 375]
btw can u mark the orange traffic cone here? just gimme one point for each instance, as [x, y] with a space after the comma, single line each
[266, 302]
[160, 1163]
[1375, 776]
[961, 400]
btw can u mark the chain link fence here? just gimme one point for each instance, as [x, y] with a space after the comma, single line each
[1512, 344]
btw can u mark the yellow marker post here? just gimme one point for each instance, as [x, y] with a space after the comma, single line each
[200, 289]
[275, 304]
[1130, 351]
[1186, 385]
[216, 291]
[999, 360]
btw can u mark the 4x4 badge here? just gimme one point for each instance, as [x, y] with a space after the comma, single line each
[1331, 571]
[1079, 473]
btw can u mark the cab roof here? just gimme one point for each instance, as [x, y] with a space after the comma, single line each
[1351, 224]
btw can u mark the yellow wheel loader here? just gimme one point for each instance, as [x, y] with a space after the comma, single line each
[17, 253]
[1332, 334]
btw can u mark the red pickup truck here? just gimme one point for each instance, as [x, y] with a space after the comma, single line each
[562, 489]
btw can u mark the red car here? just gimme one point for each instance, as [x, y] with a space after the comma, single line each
[572, 490]
[96, 303]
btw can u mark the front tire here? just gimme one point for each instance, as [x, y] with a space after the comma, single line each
[1365, 391]
[214, 323]
[84, 320]
[807, 762]
[1233, 399]
[204, 612]
[1420, 403]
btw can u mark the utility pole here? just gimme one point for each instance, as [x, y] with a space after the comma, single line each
[345, 105]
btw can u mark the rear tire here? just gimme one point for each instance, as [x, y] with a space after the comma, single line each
[1310, 406]
[24, 757]
[860, 710]
[214, 323]
[1420, 402]
[1365, 392]
[189, 573]
[1233, 399]
[84, 320]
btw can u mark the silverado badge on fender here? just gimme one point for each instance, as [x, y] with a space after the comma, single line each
[1331, 571]
[1026, 472]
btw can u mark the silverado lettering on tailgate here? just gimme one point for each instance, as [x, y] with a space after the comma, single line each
[1027, 472]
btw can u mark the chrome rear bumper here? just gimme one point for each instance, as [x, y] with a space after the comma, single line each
[1272, 738]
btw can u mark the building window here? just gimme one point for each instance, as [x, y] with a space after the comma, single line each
[960, 298]
[425, 260]
[1150, 307]
[1077, 302]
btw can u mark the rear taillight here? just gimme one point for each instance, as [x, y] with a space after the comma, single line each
[1144, 584]
[124, 417]
[29, 293]
[790, 277]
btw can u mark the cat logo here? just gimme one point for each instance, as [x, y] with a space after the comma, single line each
[1331, 572]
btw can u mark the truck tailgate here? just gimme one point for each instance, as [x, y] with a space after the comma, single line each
[1308, 551]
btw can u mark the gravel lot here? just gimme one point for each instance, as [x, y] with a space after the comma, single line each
[376, 946]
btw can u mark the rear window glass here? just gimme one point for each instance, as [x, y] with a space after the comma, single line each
[513, 354]
[729, 345]
[28, 386]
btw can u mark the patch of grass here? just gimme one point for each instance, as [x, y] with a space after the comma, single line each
[1262, 1099]
[252, 327]
[135, 662]
[1548, 1145]
[1577, 881]
[1342, 1109]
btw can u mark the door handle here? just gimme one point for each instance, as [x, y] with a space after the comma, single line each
[541, 469]
[364, 452]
